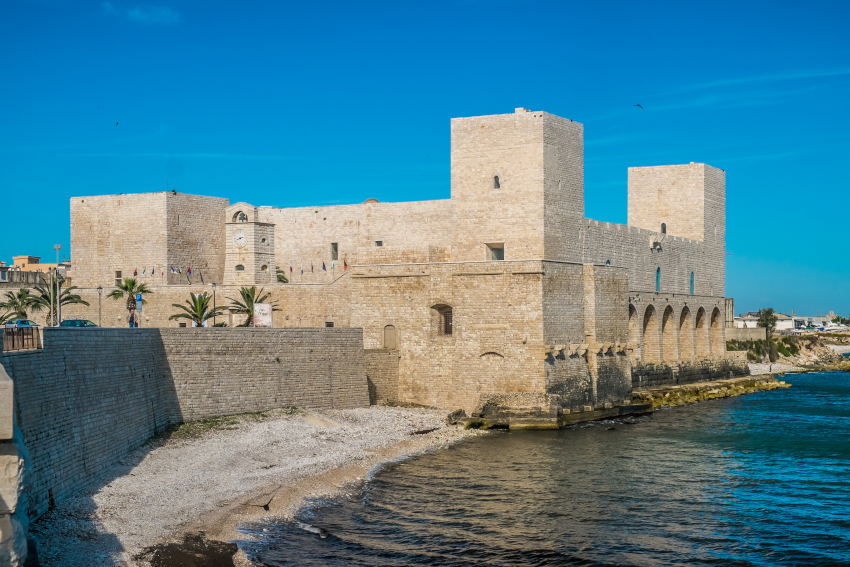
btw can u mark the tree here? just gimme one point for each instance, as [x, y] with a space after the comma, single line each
[18, 303]
[198, 309]
[281, 275]
[46, 298]
[767, 319]
[250, 296]
[5, 317]
[129, 288]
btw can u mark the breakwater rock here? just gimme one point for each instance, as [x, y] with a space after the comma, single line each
[699, 392]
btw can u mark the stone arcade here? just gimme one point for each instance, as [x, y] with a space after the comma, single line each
[505, 288]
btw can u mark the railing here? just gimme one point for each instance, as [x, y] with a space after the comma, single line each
[20, 338]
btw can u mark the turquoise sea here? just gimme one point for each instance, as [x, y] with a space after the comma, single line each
[762, 479]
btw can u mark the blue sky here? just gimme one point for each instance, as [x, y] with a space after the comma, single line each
[290, 104]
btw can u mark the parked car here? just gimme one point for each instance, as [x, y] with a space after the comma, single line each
[21, 323]
[77, 323]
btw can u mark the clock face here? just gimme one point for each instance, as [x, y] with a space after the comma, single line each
[240, 239]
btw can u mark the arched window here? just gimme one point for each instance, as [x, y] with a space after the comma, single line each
[607, 262]
[240, 268]
[390, 337]
[692, 283]
[443, 320]
[240, 216]
[663, 228]
[496, 184]
[264, 268]
[658, 279]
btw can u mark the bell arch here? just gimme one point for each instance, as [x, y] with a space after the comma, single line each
[717, 344]
[703, 345]
[669, 336]
[686, 335]
[651, 336]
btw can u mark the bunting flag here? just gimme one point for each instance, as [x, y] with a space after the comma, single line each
[179, 269]
[323, 267]
[135, 272]
[189, 271]
[187, 278]
[311, 267]
[333, 265]
[344, 265]
[144, 270]
[290, 268]
[163, 271]
[172, 269]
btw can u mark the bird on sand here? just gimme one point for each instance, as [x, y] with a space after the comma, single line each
[639, 106]
[266, 505]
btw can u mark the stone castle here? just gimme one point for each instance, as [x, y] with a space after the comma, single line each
[504, 288]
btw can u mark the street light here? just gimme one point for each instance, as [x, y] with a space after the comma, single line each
[57, 247]
[213, 304]
[99, 295]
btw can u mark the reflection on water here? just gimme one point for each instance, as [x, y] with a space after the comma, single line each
[755, 480]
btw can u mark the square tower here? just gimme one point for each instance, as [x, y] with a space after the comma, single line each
[249, 249]
[517, 186]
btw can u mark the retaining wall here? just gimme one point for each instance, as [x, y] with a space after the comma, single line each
[646, 376]
[736, 334]
[382, 375]
[94, 394]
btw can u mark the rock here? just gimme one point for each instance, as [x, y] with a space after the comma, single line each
[13, 540]
[11, 477]
[455, 416]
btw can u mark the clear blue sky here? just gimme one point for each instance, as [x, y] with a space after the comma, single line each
[291, 104]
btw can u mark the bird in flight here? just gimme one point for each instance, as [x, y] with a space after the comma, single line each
[266, 505]
[116, 124]
[639, 106]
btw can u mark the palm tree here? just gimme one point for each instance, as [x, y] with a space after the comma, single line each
[250, 296]
[18, 303]
[46, 298]
[129, 288]
[281, 275]
[5, 317]
[199, 309]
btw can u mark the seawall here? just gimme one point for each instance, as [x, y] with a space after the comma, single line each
[91, 395]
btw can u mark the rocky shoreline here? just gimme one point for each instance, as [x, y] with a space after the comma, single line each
[671, 396]
[211, 476]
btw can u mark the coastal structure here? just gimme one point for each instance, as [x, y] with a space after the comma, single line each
[506, 287]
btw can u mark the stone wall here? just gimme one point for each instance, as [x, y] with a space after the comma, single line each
[382, 375]
[736, 334]
[656, 375]
[93, 394]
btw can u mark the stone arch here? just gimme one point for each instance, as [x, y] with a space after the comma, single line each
[651, 336]
[239, 216]
[686, 335]
[669, 337]
[701, 333]
[717, 345]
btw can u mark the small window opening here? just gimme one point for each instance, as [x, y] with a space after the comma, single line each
[692, 283]
[496, 251]
[658, 279]
[264, 268]
[607, 262]
[263, 241]
[379, 243]
[496, 184]
[117, 279]
[240, 268]
[444, 320]
[663, 228]
[390, 337]
[334, 251]
[329, 324]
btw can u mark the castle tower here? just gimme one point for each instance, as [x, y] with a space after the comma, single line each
[249, 248]
[687, 201]
[517, 185]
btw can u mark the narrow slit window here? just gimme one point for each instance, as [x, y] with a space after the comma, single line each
[329, 324]
[663, 228]
[496, 184]
[658, 279]
[334, 251]
[692, 283]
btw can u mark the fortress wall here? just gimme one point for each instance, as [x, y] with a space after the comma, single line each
[563, 303]
[564, 188]
[382, 375]
[83, 402]
[304, 234]
[117, 233]
[670, 194]
[219, 372]
[195, 236]
[92, 395]
[629, 247]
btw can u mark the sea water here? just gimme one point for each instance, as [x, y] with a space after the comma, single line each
[762, 479]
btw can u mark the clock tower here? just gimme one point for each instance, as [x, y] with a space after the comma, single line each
[249, 253]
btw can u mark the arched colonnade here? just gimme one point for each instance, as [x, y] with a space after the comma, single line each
[667, 334]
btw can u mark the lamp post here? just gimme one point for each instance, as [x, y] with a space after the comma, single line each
[99, 295]
[213, 304]
[57, 247]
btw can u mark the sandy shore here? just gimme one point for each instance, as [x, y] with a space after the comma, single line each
[215, 479]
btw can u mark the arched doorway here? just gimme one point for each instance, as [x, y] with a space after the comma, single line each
[686, 335]
[670, 342]
[651, 336]
[717, 345]
[701, 334]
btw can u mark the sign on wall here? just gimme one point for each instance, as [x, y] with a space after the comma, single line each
[263, 315]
